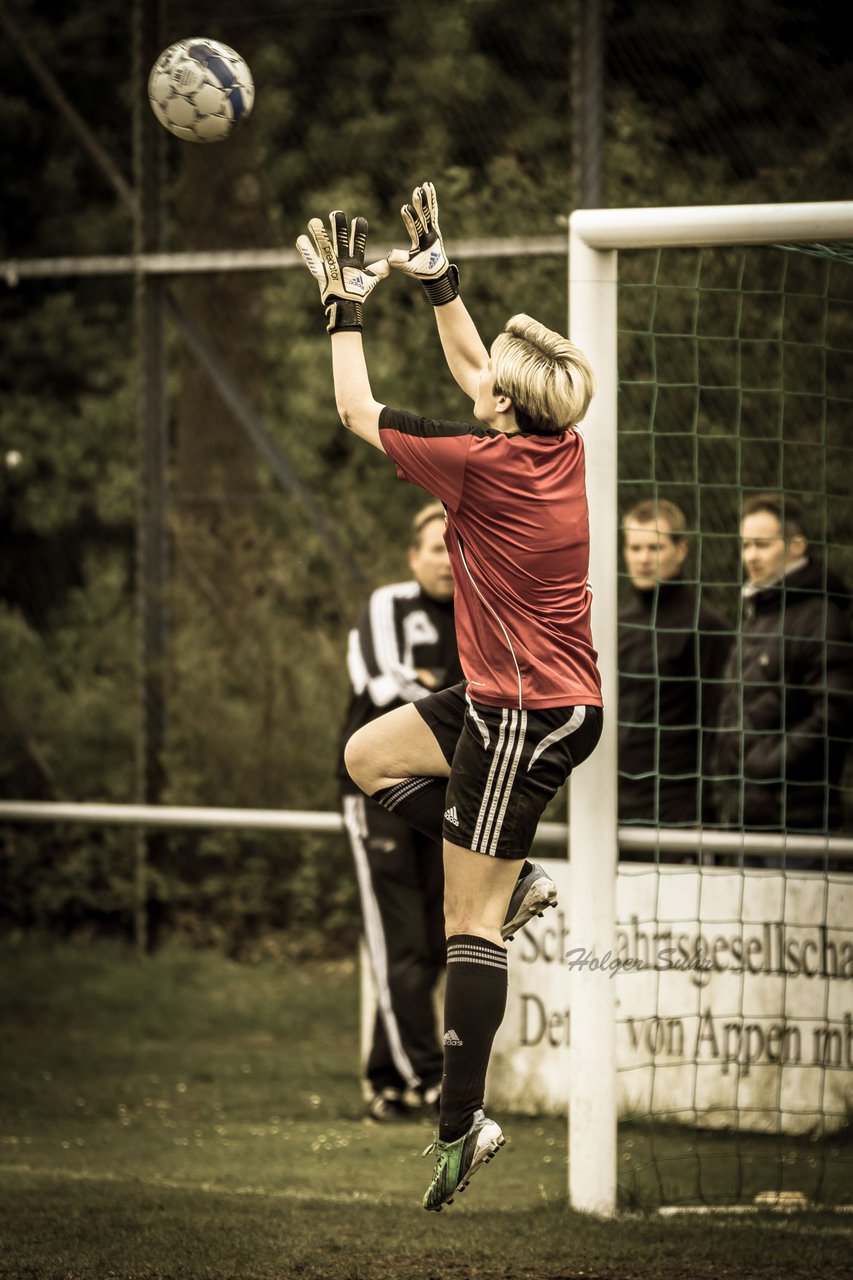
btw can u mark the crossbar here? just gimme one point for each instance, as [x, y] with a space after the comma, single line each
[705, 225]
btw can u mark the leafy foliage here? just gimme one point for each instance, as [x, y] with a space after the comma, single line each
[720, 102]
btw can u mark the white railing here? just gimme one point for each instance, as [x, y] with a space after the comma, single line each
[165, 816]
[630, 839]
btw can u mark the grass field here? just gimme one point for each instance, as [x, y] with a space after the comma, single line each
[187, 1117]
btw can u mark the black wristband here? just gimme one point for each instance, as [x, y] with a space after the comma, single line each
[444, 289]
[342, 313]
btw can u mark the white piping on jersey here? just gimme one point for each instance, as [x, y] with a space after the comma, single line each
[356, 824]
[574, 722]
[498, 787]
[494, 614]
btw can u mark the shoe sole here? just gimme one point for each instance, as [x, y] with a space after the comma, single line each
[532, 907]
[481, 1158]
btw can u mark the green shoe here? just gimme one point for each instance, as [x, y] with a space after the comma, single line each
[457, 1162]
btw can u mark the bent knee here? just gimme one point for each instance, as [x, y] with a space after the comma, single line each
[357, 761]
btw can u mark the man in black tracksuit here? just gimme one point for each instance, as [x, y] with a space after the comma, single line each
[672, 650]
[786, 718]
[403, 648]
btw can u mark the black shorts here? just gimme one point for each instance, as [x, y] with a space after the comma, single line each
[505, 766]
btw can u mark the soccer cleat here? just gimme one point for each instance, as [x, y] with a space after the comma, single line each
[388, 1107]
[531, 895]
[457, 1162]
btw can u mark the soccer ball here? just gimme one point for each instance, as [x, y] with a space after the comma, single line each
[200, 90]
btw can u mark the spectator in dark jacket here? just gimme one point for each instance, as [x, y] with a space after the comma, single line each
[672, 650]
[787, 712]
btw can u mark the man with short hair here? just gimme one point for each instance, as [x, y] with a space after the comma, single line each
[786, 715]
[403, 648]
[672, 650]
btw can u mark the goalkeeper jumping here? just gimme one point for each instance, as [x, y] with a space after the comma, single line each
[481, 760]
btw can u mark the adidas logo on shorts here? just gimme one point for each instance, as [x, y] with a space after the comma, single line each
[451, 1038]
[450, 815]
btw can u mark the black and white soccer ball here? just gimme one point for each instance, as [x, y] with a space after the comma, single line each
[200, 90]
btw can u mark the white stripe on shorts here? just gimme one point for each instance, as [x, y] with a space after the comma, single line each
[499, 782]
[574, 722]
[478, 721]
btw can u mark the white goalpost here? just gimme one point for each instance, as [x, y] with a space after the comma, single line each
[595, 239]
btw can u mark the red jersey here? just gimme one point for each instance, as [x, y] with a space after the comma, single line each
[518, 539]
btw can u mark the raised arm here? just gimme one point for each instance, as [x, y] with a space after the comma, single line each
[462, 346]
[427, 262]
[336, 261]
[354, 398]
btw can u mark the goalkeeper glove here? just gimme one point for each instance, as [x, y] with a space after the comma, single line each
[336, 261]
[426, 260]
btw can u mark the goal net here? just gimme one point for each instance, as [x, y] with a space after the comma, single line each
[711, 1057]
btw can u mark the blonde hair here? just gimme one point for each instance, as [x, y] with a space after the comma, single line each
[426, 515]
[547, 378]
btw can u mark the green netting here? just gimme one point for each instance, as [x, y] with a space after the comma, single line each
[736, 377]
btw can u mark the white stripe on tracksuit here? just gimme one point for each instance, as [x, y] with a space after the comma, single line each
[393, 676]
[354, 820]
[498, 788]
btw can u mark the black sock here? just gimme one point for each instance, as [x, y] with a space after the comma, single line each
[418, 801]
[474, 1006]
